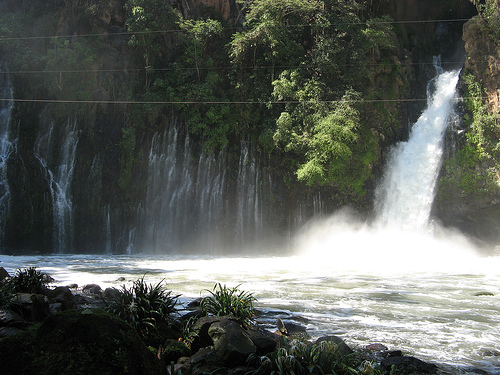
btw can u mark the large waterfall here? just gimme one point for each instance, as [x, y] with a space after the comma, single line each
[403, 203]
[405, 196]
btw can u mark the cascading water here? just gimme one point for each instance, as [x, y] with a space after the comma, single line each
[249, 213]
[405, 196]
[56, 150]
[184, 199]
[6, 143]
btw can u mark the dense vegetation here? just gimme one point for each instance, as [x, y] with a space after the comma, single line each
[292, 78]
[319, 89]
[472, 171]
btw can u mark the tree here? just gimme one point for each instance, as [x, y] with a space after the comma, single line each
[151, 23]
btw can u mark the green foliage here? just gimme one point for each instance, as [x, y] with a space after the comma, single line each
[330, 144]
[74, 343]
[144, 306]
[68, 77]
[150, 21]
[461, 176]
[201, 32]
[6, 294]
[30, 280]
[301, 358]
[489, 11]
[229, 301]
[268, 35]
[379, 34]
[331, 48]
[484, 129]
[481, 147]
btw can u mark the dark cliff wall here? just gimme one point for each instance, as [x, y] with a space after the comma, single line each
[117, 127]
[469, 190]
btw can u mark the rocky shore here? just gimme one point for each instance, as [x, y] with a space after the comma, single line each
[66, 330]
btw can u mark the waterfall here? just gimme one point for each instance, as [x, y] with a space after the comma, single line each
[6, 144]
[56, 150]
[185, 196]
[405, 196]
[249, 212]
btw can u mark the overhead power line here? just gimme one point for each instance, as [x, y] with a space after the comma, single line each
[242, 28]
[214, 68]
[69, 101]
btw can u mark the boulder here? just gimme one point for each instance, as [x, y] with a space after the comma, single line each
[264, 341]
[199, 335]
[10, 323]
[377, 347]
[55, 307]
[9, 331]
[232, 344]
[291, 329]
[342, 347]
[3, 274]
[63, 295]
[30, 306]
[10, 318]
[92, 289]
[111, 293]
[204, 359]
[408, 364]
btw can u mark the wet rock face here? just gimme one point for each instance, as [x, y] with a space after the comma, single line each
[422, 33]
[483, 59]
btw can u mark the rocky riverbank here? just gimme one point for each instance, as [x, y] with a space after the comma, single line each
[66, 329]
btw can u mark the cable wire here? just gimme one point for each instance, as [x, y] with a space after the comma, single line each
[66, 101]
[130, 33]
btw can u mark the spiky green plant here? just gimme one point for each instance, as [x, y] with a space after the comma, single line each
[30, 280]
[144, 305]
[230, 301]
[301, 358]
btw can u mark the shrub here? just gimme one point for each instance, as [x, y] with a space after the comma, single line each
[30, 280]
[143, 305]
[297, 357]
[6, 294]
[230, 301]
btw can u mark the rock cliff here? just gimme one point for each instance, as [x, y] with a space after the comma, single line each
[483, 59]
[120, 136]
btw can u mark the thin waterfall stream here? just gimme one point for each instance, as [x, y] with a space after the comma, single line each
[394, 281]
[6, 144]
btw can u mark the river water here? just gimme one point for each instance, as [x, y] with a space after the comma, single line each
[441, 303]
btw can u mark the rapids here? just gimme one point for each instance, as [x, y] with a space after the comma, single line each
[443, 307]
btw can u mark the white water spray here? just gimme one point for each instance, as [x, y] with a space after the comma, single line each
[401, 238]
